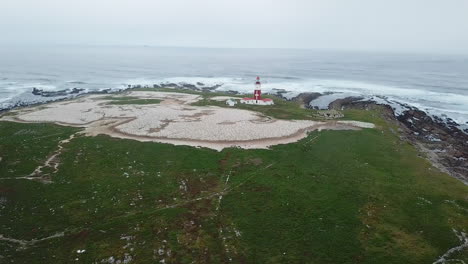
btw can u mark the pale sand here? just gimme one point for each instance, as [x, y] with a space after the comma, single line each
[224, 98]
[176, 122]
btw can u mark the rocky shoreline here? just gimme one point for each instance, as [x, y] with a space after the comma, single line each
[40, 96]
[443, 141]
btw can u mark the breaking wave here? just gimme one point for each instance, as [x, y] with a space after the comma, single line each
[442, 104]
[435, 84]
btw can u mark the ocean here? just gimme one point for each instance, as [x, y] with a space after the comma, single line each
[437, 84]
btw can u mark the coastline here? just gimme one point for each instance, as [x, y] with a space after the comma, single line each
[361, 181]
[175, 120]
[443, 142]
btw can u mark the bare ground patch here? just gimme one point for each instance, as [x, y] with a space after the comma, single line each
[174, 122]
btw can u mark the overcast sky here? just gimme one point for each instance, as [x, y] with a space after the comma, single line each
[391, 25]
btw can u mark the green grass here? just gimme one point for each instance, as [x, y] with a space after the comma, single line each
[23, 147]
[281, 109]
[333, 197]
[126, 100]
[118, 98]
[135, 101]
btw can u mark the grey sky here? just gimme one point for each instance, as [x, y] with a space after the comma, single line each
[398, 25]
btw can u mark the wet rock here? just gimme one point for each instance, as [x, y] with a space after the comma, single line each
[43, 93]
[339, 103]
[36, 91]
[214, 87]
[76, 90]
[278, 92]
[189, 86]
[170, 85]
[306, 98]
[103, 91]
[445, 145]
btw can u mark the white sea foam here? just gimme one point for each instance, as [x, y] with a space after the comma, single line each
[442, 104]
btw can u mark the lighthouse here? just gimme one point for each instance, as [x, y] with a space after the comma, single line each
[257, 99]
[258, 90]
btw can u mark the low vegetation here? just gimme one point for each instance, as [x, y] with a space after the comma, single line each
[334, 197]
[282, 109]
[135, 101]
[125, 100]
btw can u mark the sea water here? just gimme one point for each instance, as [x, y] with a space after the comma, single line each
[437, 84]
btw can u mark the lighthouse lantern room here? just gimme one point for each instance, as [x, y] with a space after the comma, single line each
[257, 99]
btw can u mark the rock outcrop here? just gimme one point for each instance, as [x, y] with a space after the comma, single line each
[43, 93]
[444, 144]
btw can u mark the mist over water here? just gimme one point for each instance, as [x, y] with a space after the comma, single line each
[434, 83]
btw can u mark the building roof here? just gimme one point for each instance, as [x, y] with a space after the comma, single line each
[263, 99]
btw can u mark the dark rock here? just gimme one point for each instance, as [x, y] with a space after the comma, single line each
[435, 127]
[103, 91]
[76, 90]
[171, 85]
[338, 104]
[189, 86]
[214, 87]
[278, 92]
[43, 93]
[446, 143]
[36, 91]
[305, 98]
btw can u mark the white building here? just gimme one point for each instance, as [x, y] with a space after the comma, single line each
[254, 101]
[231, 102]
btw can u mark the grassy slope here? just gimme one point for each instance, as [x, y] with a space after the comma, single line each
[334, 197]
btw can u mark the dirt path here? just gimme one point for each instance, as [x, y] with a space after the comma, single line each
[462, 236]
[51, 162]
[27, 243]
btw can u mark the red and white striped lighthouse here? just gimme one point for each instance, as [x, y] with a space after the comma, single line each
[257, 99]
[258, 89]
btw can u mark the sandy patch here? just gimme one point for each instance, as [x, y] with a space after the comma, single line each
[224, 98]
[176, 122]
